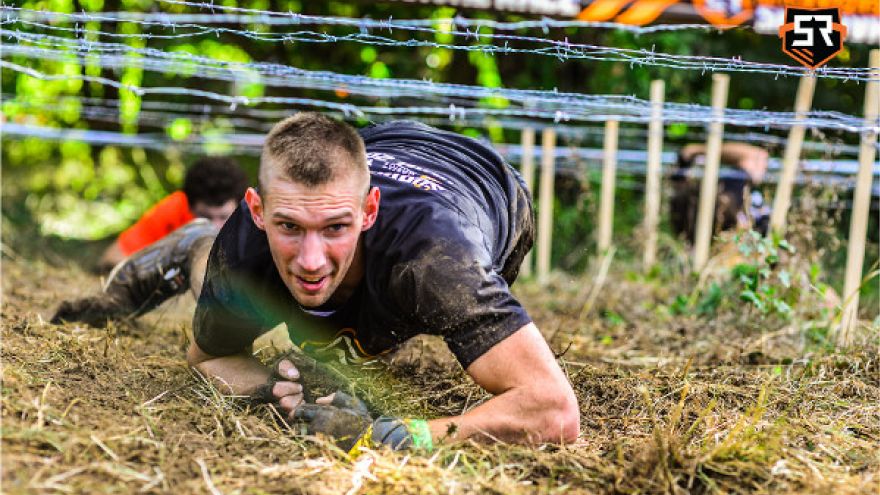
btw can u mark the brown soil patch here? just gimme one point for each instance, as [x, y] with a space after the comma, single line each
[669, 404]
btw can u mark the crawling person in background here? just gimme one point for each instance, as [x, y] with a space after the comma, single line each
[212, 188]
[746, 167]
[362, 241]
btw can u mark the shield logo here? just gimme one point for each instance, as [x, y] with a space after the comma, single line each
[812, 36]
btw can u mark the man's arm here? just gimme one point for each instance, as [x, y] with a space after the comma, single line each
[533, 403]
[750, 159]
[243, 374]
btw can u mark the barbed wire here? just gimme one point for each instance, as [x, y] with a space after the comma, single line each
[629, 161]
[160, 113]
[266, 17]
[461, 99]
[561, 49]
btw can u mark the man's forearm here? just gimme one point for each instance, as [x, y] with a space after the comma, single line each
[515, 416]
[239, 374]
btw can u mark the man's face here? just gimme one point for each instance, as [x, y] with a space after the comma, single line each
[313, 232]
[216, 214]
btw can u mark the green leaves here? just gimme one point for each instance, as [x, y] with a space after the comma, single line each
[179, 129]
[710, 302]
[762, 281]
[765, 284]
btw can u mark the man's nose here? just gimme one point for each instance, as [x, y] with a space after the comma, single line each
[311, 254]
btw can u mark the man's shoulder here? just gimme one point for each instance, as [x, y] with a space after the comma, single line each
[176, 201]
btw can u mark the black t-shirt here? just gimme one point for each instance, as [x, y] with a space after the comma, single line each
[447, 224]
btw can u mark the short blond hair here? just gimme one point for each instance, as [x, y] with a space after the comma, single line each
[312, 149]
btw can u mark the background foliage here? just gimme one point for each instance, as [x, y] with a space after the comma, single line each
[74, 190]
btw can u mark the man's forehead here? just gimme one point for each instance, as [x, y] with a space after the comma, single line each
[334, 199]
[343, 183]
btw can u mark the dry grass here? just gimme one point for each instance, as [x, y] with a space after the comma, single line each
[669, 405]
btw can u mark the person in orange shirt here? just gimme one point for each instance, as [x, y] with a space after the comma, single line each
[212, 188]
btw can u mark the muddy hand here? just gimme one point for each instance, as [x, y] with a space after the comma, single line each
[282, 388]
[95, 311]
[287, 390]
[345, 418]
[342, 417]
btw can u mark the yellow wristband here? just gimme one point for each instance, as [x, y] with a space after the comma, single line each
[365, 441]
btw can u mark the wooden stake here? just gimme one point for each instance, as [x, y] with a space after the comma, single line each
[709, 186]
[609, 172]
[652, 193]
[545, 203]
[527, 169]
[782, 199]
[861, 204]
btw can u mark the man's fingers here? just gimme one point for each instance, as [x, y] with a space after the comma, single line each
[326, 400]
[282, 389]
[290, 402]
[287, 370]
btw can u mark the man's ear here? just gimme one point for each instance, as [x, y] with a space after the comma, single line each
[255, 204]
[371, 208]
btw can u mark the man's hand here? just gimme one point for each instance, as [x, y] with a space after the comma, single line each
[347, 420]
[339, 416]
[282, 388]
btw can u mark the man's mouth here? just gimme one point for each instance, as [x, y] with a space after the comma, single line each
[311, 284]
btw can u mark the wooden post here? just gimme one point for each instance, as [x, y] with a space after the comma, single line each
[609, 172]
[709, 186]
[527, 169]
[782, 199]
[861, 204]
[652, 185]
[545, 202]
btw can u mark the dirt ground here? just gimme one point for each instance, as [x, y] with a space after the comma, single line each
[669, 404]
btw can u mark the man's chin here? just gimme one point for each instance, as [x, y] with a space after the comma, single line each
[312, 300]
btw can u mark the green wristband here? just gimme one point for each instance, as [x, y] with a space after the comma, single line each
[420, 433]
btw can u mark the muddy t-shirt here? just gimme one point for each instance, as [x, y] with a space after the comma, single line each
[433, 260]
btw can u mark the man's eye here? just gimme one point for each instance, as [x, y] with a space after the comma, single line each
[337, 227]
[287, 226]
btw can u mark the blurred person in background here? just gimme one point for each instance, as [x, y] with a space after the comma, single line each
[212, 188]
[737, 205]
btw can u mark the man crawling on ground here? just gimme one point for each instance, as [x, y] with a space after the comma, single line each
[368, 239]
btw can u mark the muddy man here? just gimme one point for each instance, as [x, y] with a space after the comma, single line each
[364, 240]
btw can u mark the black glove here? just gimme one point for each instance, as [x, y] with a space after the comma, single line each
[347, 420]
[263, 394]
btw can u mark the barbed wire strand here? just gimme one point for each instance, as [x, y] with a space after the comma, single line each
[107, 110]
[630, 161]
[558, 106]
[561, 49]
[255, 16]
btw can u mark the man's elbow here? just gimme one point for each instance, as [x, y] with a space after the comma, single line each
[195, 356]
[561, 421]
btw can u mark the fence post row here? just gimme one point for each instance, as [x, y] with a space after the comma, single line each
[782, 199]
[858, 226]
[655, 150]
[545, 202]
[709, 186]
[527, 169]
[609, 173]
